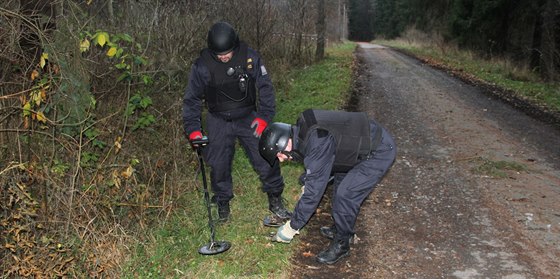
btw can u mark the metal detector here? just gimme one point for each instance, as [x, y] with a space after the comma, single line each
[213, 247]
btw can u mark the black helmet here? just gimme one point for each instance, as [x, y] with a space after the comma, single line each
[273, 140]
[222, 38]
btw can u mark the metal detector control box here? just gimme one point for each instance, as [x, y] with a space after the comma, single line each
[202, 142]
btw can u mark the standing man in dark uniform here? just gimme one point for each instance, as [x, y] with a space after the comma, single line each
[357, 151]
[238, 92]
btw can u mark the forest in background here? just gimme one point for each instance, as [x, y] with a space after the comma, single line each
[526, 32]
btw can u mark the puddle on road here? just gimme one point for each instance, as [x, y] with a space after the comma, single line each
[368, 45]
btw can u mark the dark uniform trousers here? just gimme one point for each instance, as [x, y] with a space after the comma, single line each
[352, 188]
[222, 135]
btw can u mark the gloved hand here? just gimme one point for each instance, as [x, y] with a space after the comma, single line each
[301, 179]
[285, 233]
[258, 125]
[196, 135]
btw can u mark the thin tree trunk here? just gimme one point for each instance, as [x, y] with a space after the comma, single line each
[321, 30]
[550, 54]
[110, 11]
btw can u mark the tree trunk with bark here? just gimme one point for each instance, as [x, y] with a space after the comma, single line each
[321, 30]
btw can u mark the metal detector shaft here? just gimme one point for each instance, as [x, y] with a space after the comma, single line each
[200, 143]
[213, 247]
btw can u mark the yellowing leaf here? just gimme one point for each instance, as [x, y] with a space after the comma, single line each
[44, 57]
[41, 117]
[42, 63]
[112, 51]
[84, 45]
[36, 97]
[27, 109]
[34, 74]
[102, 38]
[308, 254]
[128, 172]
[116, 179]
[118, 145]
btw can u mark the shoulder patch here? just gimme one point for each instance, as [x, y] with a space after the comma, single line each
[263, 70]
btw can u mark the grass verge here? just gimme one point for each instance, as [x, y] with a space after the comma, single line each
[496, 72]
[171, 249]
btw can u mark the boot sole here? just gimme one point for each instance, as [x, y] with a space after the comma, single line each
[336, 260]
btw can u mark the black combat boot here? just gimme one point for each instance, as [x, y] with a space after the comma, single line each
[276, 206]
[330, 231]
[223, 211]
[338, 249]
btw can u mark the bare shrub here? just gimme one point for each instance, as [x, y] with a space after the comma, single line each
[82, 182]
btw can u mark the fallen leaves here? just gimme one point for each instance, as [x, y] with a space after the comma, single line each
[28, 251]
[308, 254]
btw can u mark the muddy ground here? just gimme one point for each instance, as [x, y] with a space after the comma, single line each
[437, 214]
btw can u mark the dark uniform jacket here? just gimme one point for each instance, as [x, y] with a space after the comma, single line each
[319, 156]
[199, 81]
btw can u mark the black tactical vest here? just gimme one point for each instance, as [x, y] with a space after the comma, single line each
[350, 129]
[230, 86]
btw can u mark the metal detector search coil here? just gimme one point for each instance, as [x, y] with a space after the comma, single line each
[212, 247]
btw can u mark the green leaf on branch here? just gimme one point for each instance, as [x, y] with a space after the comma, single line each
[145, 102]
[144, 121]
[121, 66]
[125, 76]
[139, 60]
[147, 79]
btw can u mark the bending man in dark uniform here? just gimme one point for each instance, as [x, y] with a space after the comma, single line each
[240, 99]
[357, 151]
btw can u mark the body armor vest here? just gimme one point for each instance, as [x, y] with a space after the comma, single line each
[351, 131]
[230, 85]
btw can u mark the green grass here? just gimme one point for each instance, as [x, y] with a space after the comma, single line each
[171, 250]
[496, 169]
[524, 83]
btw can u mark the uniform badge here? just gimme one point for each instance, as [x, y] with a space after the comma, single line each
[249, 63]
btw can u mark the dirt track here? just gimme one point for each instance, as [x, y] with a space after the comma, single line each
[433, 216]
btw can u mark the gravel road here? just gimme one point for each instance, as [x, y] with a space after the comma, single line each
[437, 214]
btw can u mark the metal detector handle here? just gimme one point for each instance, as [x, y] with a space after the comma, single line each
[200, 142]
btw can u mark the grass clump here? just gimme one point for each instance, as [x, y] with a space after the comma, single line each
[497, 169]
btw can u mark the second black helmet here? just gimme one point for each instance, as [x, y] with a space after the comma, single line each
[274, 139]
[222, 38]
